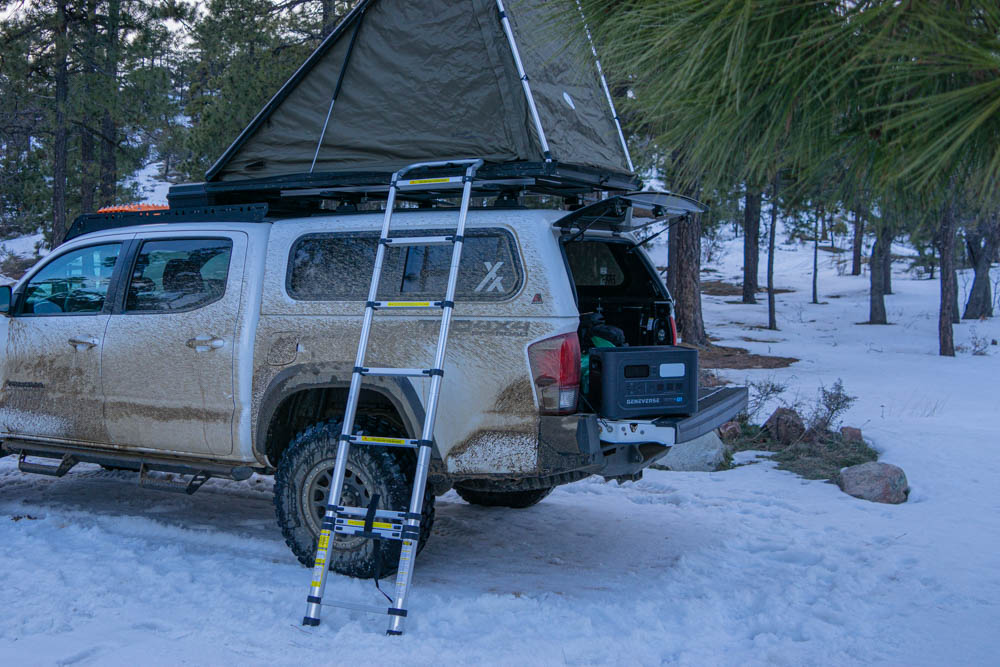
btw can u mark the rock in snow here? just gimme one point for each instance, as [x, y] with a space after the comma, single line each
[730, 430]
[851, 434]
[703, 454]
[878, 482]
[785, 426]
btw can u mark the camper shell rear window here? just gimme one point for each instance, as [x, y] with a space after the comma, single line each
[338, 266]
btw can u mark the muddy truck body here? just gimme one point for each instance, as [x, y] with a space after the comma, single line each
[218, 348]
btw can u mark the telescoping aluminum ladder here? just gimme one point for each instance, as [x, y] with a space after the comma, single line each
[370, 522]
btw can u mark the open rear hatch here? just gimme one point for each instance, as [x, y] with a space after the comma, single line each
[633, 370]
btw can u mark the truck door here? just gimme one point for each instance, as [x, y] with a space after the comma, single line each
[52, 374]
[168, 353]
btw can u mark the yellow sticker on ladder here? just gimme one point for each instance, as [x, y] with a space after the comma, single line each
[376, 524]
[424, 181]
[407, 304]
[384, 441]
[324, 539]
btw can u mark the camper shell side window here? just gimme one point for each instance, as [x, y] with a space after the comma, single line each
[338, 267]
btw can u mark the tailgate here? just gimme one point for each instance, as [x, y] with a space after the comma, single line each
[715, 407]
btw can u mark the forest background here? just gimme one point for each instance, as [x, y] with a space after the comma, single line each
[854, 123]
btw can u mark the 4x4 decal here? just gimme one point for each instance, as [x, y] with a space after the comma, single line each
[492, 274]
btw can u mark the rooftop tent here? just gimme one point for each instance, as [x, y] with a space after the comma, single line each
[401, 82]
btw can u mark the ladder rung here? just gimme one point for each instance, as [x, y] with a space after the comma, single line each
[353, 606]
[432, 183]
[406, 304]
[385, 441]
[363, 511]
[382, 530]
[379, 530]
[399, 372]
[420, 240]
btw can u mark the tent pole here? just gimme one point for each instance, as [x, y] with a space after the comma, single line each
[604, 83]
[524, 81]
[336, 89]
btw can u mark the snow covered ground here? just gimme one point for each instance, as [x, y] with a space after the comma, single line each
[150, 185]
[748, 566]
[22, 246]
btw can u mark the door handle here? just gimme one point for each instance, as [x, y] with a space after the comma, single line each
[205, 343]
[82, 344]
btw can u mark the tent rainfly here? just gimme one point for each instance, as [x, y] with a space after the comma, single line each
[401, 82]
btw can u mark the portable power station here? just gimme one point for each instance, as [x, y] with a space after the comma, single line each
[627, 382]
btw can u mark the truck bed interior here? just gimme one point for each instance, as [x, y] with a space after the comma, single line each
[617, 286]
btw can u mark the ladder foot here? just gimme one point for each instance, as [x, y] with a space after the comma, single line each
[393, 633]
[310, 621]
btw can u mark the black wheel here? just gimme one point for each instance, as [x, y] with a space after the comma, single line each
[515, 499]
[302, 486]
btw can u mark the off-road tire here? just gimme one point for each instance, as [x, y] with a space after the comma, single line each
[515, 499]
[298, 485]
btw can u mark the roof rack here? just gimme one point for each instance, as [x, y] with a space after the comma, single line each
[295, 194]
[96, 222]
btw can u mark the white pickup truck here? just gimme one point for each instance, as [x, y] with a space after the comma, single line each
[212, 348]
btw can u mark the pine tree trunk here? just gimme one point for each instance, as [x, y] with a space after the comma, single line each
[982, 243]
[955, 319]
[109, 160]
[887, 265]
[330, 17]
[751, 244]
[88, 185]
[876, 295]
[60, 125]
[88, 182]
[858, 244]
[815, 285]
[772, 317]
[949, 304]
[109, 127]
[673, 263]
[686, 269]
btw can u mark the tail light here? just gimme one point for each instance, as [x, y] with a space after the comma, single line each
[555, 369]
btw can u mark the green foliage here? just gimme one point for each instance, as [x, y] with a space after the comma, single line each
[824, 457]
[890, 94]
[165, 81]
[241, 53]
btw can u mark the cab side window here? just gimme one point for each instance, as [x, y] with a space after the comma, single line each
[75, 283]
[178, 274]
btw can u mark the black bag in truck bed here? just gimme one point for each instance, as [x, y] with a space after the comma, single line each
[632, 382]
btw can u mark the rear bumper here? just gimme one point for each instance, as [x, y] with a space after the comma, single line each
[715, 408]
[576, 446]
[620, 449]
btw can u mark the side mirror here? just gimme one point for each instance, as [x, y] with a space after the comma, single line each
[5, 298]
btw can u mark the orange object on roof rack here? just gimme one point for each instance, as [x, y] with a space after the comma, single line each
[130, 208]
